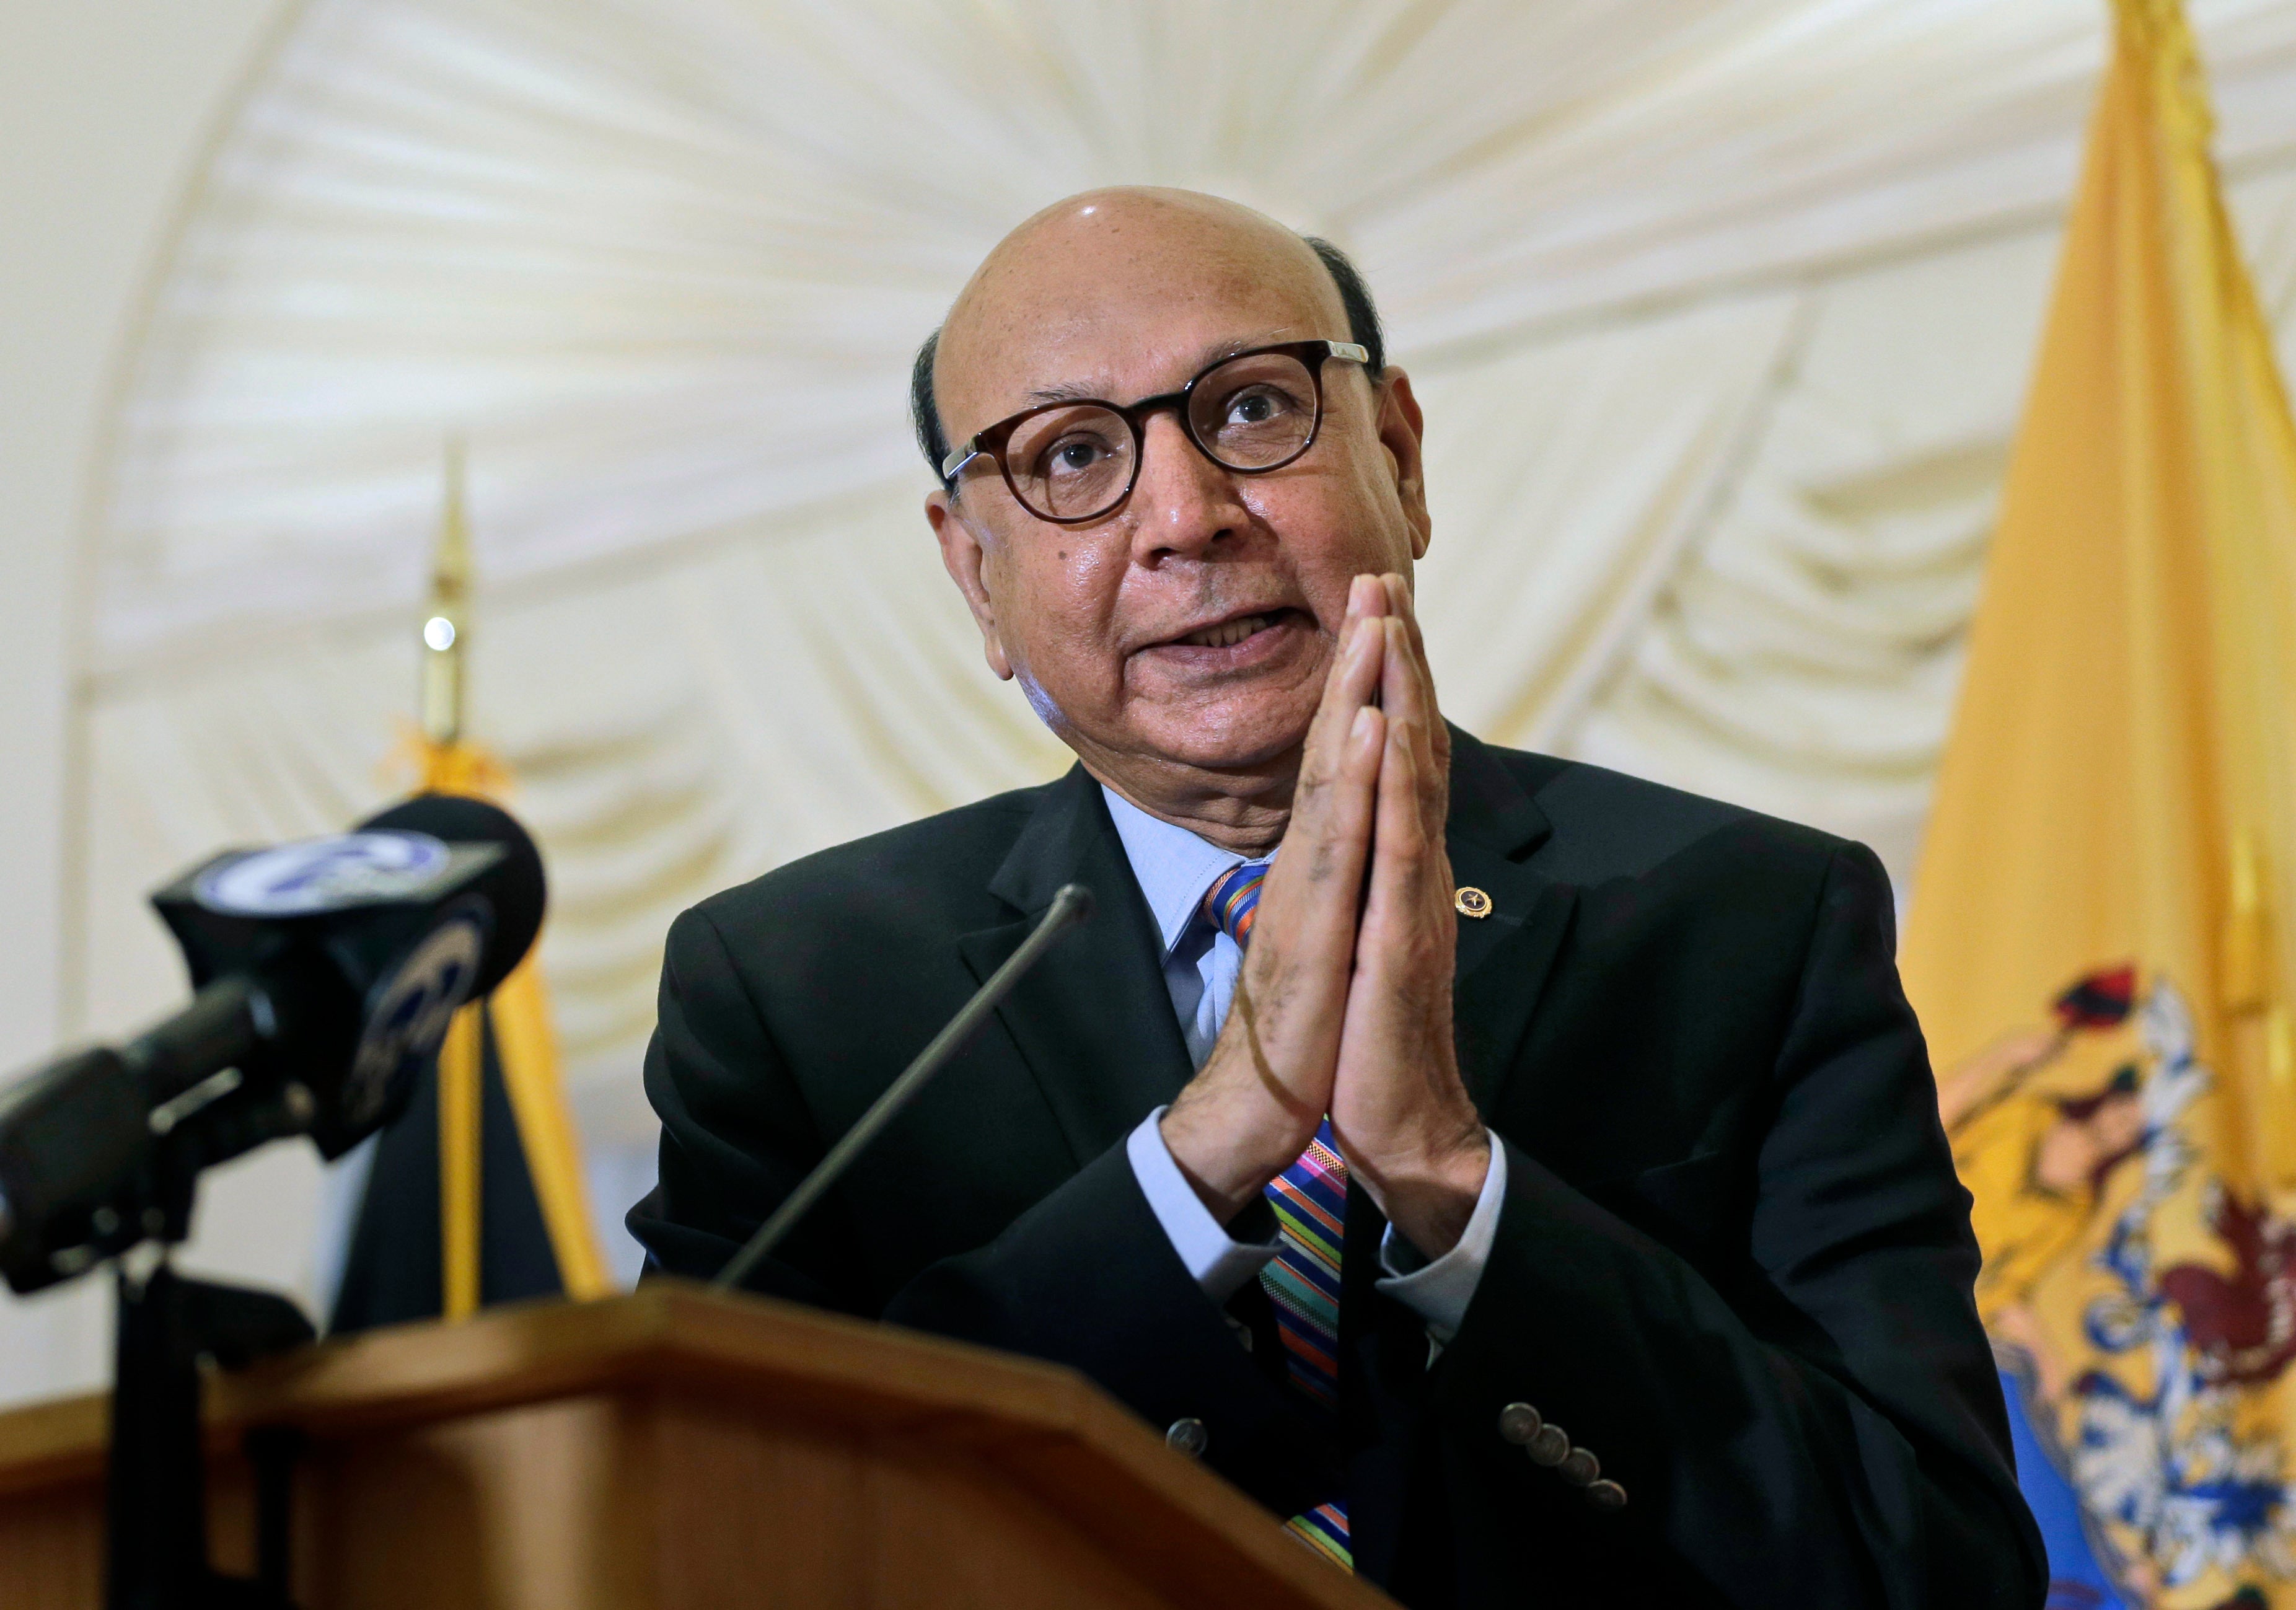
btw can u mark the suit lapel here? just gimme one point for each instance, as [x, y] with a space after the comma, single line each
[1094, 1021]
[1503, 960]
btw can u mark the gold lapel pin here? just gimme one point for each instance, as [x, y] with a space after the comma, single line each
[1471, 901]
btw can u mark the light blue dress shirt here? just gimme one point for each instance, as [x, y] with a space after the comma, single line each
[1176, 869]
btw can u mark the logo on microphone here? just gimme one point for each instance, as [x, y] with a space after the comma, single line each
[408, 1021]
[331, 873]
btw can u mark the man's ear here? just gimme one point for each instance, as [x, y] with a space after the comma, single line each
[1402, 428]
[963, 557]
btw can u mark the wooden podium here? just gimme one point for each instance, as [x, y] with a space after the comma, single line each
[675, 1449]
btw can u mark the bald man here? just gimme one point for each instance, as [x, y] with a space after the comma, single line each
[1526, 1182]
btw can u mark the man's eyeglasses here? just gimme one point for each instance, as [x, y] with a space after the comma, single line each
[1070, 462]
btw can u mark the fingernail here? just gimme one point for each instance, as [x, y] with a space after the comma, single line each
[1365, 719]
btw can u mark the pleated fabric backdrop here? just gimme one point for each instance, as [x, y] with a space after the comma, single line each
[1721, 314]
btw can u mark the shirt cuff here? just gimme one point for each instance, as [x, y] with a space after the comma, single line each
[1439, 1291]
[1219, 1262]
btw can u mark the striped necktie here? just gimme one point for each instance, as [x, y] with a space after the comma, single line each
[1310, 1199]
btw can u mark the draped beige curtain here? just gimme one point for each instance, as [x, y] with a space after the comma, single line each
[1721, 314]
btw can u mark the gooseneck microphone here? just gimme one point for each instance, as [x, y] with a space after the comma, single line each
[1071, 906]
[325, 973]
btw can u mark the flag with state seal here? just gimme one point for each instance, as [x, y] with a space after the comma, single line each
[2099, 944]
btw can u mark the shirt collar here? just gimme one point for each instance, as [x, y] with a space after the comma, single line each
[1173, 865]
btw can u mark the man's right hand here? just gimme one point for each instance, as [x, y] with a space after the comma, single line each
[1256, 1103]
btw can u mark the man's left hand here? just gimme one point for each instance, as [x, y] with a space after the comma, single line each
[1403, 1119]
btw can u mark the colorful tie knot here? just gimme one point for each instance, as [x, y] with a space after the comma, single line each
[1233, 900]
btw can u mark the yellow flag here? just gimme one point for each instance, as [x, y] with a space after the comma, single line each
[526, 1051]
[2099, 946]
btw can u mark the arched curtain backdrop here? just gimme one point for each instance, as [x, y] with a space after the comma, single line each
[1721, 315]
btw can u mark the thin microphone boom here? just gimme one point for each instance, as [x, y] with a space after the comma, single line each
[1069, 906]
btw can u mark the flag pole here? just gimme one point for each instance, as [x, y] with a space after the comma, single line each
[461, 1058]
[518, 1013]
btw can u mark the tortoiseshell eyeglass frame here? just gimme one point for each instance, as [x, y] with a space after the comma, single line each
[990, 443]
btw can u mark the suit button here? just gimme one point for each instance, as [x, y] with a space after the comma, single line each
[1580, 1467]
[1519, 1423]
[1607, 1495]
[1189, 1437]
[1549, 1446]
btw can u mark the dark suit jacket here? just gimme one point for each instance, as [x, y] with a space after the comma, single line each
[1734, 1261]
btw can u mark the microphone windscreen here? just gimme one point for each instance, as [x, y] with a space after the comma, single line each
[513, 886]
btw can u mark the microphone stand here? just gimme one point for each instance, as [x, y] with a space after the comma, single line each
[1070, 906]
[155, 1475]
[155, 1481]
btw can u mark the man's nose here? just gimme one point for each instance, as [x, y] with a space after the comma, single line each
[1183, 503]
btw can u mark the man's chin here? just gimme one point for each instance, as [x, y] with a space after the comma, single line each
[1239, 743]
